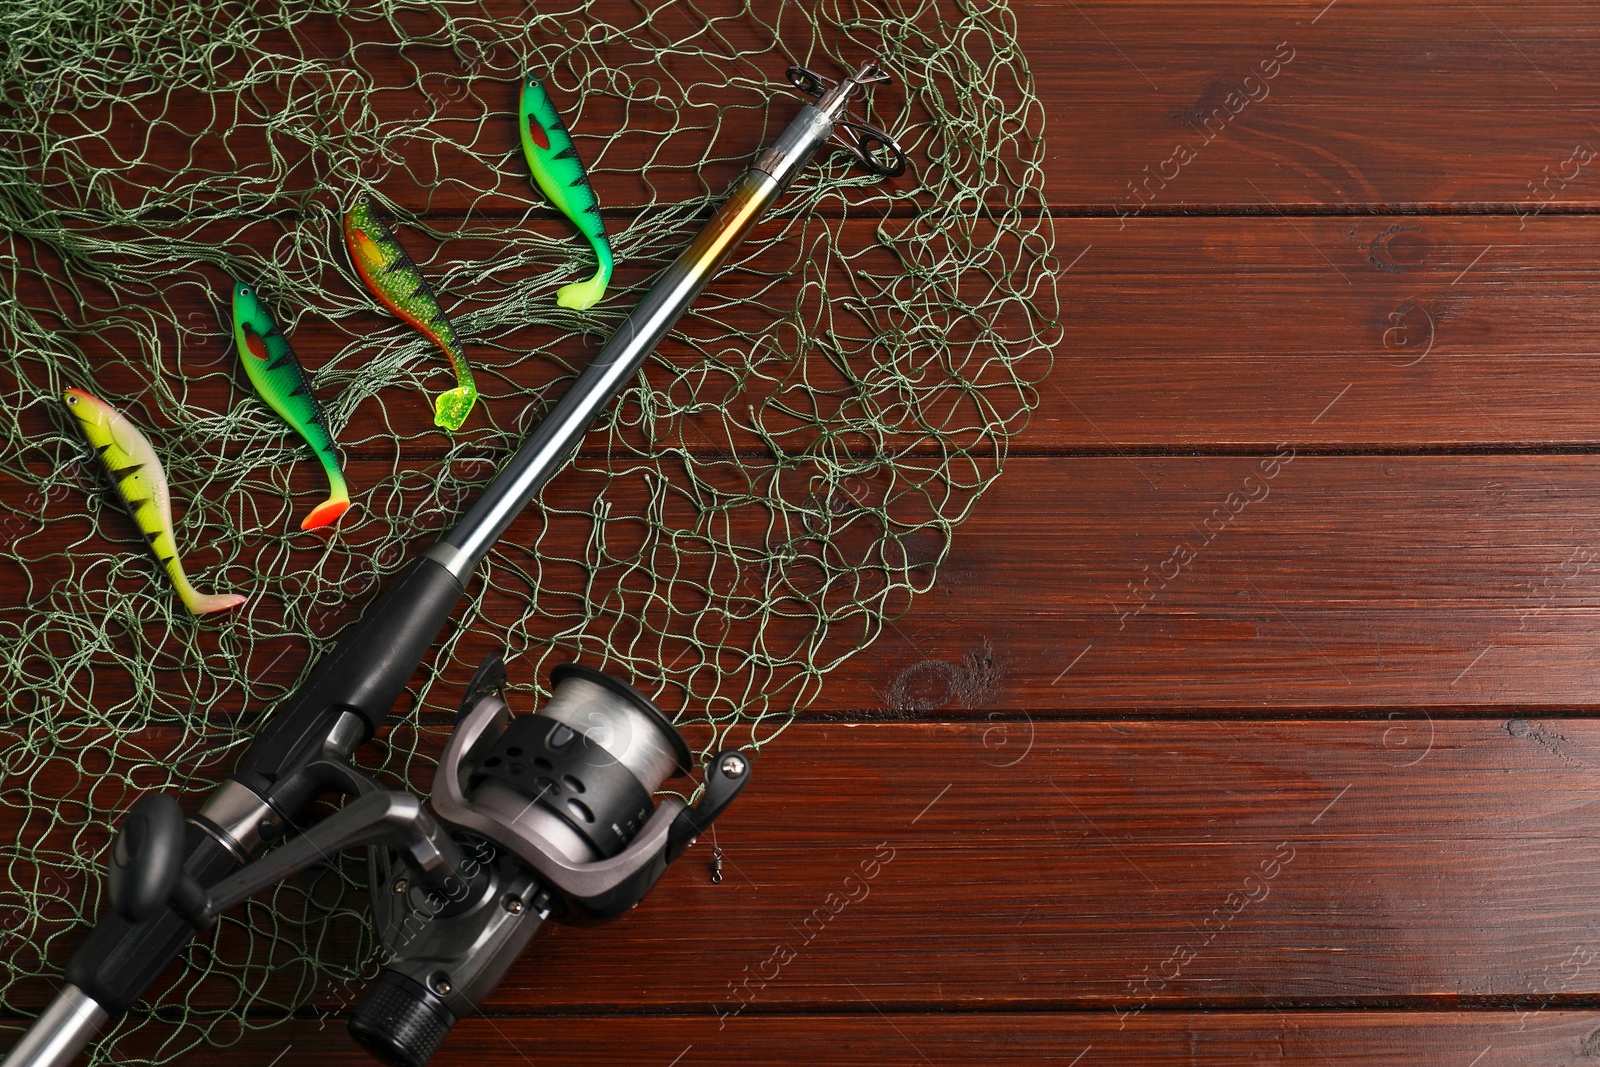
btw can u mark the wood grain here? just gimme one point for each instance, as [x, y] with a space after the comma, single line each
[1346, 582]
[1389, 333]
[1386, 333]
[1433, 612]
[1350, 582]
[1373, 105]
[1443, 582]
[864, 1038]
[1381, 104]
[1126, 867]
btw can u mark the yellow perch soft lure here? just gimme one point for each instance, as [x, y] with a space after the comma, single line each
[142, 485]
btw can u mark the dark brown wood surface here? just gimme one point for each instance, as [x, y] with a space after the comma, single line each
[1018, 865]
[1321, 788]
[856, 1035]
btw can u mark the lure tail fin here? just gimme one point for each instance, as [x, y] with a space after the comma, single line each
[326, 513]
[338, 502]
[203, 604]
[451, 408]
[582, 295]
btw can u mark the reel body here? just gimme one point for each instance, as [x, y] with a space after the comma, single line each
[557, 822]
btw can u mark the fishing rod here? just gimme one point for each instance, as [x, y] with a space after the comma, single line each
[548, 816]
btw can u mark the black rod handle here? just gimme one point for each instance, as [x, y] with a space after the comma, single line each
[119, 959]
[364, 674]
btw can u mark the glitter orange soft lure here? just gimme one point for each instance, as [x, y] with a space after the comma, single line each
[393, 277]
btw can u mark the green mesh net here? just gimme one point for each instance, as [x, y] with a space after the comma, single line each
[783, 478]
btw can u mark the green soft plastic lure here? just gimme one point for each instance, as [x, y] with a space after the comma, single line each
[281, 382]
[394, 279]
[560, 175]
[142, 485]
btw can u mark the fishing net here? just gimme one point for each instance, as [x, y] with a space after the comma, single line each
[783, 478]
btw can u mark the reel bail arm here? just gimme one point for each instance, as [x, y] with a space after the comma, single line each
[566, 791]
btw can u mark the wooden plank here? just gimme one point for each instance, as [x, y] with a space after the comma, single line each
[1234, 582]
[1314, 105]
[1387, 333]
[1143, 103]
[1347, 582]
[737, 346]
[429, 113]
[1128, 867]
[868, 1039]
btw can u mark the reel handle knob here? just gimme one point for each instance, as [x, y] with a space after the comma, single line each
[147, 861]
[727, 773]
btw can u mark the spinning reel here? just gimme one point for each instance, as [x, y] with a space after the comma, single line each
[534, 817]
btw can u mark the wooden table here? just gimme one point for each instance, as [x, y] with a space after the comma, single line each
[1250, 720]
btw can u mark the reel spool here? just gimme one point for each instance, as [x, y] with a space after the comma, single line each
[588, 763]
[536, 817]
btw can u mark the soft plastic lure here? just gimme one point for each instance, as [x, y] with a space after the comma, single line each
[142, 485]
[394, 279]
[560, 175]
[281, 382]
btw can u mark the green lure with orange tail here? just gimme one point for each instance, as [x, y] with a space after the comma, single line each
[281, 382]
[553, 160]
[393, 277]
[142, 485]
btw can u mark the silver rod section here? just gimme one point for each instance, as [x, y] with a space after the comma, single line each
[556, 438]
[54, 1039]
